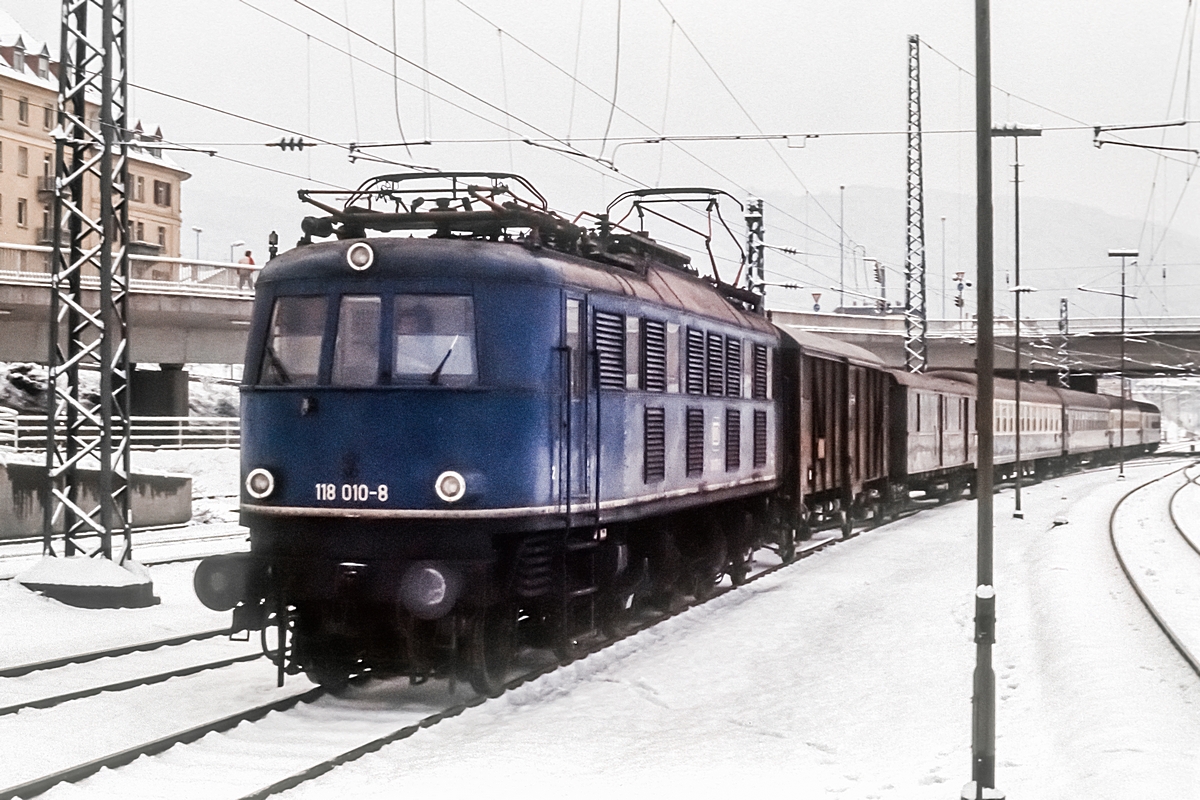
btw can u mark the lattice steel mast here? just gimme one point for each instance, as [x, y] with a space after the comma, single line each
[756, 280]
[1064, 364]
[90, 285]
[915, 326]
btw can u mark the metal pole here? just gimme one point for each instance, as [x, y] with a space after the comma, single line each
[943, 268]
[1017, 512]
[983, 716]
[842, 247]
[1121, 470]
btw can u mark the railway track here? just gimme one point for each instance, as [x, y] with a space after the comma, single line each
[319, 732]
[255, 753]
[1160, 558]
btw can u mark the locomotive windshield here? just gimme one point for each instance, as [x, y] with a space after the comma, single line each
[434, 340]
[356, 356]
[293, 351]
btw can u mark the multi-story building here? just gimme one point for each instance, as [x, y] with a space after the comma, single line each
[28, 97]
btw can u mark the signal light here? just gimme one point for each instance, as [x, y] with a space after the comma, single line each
[958, 301]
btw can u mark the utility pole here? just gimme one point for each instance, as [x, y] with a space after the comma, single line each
[915, 324]
[1016, 132]
[90, 150]
[1064, 366]
[842, 246]
[1122, 254]
[983, 706]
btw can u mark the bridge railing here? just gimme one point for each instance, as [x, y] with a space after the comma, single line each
[31, 264]
[28, 432]
[893, 325]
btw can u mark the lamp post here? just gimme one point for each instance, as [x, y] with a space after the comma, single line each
[1016, 132]
[198, 231]
[1122, 254]
[233, 246]
[842, 245]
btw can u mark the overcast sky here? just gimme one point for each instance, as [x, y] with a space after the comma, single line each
[778, 67]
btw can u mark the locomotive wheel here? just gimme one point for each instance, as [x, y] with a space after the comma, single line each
[490, 648]
[709, 567]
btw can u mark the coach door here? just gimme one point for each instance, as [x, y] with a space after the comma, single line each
[575, 434]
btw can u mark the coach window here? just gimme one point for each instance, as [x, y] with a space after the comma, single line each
[293, 350]
[673, 357]
[356, 349]
[434, 340]
[633, 351]
[574, 343]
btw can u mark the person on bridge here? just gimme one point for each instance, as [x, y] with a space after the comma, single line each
[246, 276]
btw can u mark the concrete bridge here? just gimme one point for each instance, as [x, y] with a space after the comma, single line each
[1153, 345]
[181, 311]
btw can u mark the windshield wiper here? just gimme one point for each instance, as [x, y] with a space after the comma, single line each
[437, 373]
[280, 370]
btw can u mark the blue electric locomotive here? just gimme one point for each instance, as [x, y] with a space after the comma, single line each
[504, 431]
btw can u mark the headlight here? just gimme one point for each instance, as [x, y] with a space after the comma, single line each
[360, 256]
[260, 483]
[450, 486]
[428, 589]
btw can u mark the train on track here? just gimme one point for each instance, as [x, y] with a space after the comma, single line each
[515, 428]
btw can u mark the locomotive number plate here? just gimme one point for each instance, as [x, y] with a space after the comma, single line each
[352, 492]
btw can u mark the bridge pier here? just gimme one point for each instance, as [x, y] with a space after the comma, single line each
[159, 393]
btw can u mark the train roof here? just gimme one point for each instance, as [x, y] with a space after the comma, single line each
[824, 345]
[934, 382]
[1006, 389]
[515, 262]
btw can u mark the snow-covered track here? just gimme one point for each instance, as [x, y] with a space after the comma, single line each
[93, 655]
[122, 757]
[1160, 560]
[130, 683]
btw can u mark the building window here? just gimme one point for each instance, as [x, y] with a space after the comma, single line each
[1, 105]
[139, 189]
[47, 117]
[22, 212]
[47, 165]
[162, 193]
[43, 68]
[46, 220]
[1, 156]
[162, 237]
[23, 111]
[18, 61]
[139, 231]
[22, 160]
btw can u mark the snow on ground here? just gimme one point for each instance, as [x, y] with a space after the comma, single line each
[35, 628]
[848, 675]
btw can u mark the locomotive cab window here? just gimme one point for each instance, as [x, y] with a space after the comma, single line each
[434, 340]
[356, 349]
[292, 354]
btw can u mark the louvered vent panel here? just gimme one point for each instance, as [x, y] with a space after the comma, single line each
[654, 447]
[716, 365]
[760, 372]
[760, 438]
[733, 367]
[610, 349]
[733, 440]
[695, 441]
[654, 360]
[695, 361]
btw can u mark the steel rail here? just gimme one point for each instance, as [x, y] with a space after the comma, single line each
[123, 757]
[1174, 639]
[81, 658]
[320, 768]
[131, 683]
[1175, 520]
